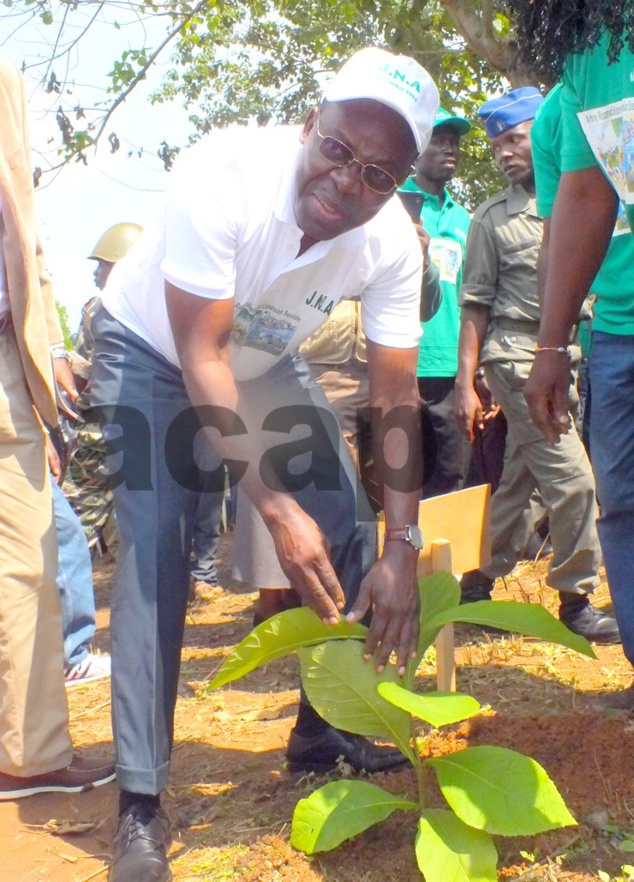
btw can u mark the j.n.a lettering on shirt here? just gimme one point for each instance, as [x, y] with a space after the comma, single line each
[320, 302]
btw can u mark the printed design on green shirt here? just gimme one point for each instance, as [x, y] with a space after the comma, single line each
[610, 133]
[447, 255]
[265, 327]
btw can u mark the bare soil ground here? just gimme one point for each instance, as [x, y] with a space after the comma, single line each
[231, 802]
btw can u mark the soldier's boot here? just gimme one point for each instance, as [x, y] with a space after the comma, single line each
[475, 586]
[578, 614]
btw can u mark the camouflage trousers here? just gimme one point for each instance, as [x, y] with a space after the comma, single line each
[86, 487]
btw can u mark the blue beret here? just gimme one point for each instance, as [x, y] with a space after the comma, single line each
[510, 109]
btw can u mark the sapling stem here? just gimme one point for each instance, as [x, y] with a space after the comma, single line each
[410, 672]
[418, 766]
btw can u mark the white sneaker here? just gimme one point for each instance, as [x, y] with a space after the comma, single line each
[93, 667]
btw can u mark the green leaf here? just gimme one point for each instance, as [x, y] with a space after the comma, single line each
[449, 851]
[500, 791]
[284, 633]
[626, 845]
[340, 810]
[530, 619]
[342, 687]
[439, 593]
[437, 708]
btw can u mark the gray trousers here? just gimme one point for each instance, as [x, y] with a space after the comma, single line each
[150, 427]
[563, 476]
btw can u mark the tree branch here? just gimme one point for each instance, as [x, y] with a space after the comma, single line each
[134, 82]
[477, 31]
[141, 74]
[480, 38]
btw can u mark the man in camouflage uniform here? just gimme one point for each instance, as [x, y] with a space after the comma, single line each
[86, 485]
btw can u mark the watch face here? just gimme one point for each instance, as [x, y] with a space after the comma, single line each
[415, 536]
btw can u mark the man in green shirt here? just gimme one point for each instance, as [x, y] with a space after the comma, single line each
[499, 325]
[592, 50]
[445, 452]
[611, 372]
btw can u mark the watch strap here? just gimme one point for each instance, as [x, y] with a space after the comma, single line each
[397, 533]
[409, 533]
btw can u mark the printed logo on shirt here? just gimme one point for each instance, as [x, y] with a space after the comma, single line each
[610, 133]
[447, 256]
[265, 327]
[460, 235]
[320, 302]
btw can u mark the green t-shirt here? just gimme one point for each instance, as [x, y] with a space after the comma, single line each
[589, 82]
[447, 226]
[614, 284]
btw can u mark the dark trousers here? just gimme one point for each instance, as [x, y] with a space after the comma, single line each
[445, 451]
[141, 398]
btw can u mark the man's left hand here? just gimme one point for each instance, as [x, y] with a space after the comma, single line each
[390, 591]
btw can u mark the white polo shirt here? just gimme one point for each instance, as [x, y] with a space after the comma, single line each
[228, 230]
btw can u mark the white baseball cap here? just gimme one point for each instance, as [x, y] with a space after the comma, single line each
[394, 80]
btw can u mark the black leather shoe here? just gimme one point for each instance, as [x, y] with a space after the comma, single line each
[140, 846]
[475, 586]
[578, 614]
[322, 753]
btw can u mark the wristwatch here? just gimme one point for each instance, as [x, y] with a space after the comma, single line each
[410, 533]
[58, 350]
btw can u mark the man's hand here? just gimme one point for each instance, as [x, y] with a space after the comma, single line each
[490, 407]
[390, 590]
[64, 377]
[546, 394]
[468, 410]
[303, 554]
[53, 458]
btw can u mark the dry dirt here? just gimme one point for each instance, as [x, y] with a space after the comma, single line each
[231, 802]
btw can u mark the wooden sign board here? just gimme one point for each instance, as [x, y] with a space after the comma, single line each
[461, 518]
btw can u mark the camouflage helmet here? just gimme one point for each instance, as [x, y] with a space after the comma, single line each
[115, 242]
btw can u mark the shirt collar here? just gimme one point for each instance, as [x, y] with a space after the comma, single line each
[448, 199]
[518, 200]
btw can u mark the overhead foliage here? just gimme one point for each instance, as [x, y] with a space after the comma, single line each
[265, 60]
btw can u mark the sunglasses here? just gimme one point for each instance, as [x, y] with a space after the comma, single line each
[340, 155]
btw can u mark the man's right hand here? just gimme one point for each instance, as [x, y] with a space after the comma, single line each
[303, 553]
[490, 407]
[468, 410]
[546, 394]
